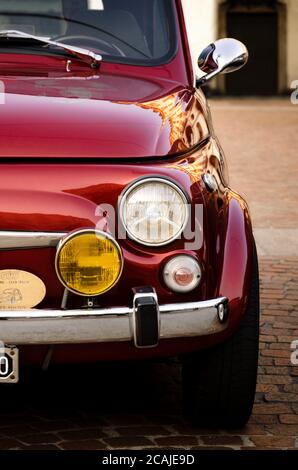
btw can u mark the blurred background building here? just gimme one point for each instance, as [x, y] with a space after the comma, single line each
[269, 28]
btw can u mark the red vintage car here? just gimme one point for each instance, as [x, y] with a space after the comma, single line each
[120, 237]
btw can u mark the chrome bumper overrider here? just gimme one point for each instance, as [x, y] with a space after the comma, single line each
[110, 324]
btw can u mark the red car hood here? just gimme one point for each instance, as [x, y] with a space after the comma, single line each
[104, 115]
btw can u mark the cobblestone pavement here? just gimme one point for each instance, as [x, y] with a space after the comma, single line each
[138, 405]
[260, 139]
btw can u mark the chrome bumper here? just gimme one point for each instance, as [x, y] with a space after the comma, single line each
[109, 325]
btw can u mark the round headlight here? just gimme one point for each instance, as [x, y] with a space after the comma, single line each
[89, 262]
[154, 211]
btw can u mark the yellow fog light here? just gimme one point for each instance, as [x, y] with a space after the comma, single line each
[89, 262]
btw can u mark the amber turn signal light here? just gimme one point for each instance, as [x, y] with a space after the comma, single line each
[182, 273]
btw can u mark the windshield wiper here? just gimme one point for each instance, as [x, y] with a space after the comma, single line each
[90, 57]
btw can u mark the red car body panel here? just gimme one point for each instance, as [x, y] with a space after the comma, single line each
[73, 141]
[118, 111]
[112, 115]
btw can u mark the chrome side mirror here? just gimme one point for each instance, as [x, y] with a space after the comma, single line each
[223, 56]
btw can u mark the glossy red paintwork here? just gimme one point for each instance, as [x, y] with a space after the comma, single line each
[110, 115]
[76, 140]
[117, 111]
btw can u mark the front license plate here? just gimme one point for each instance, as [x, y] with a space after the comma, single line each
[9, 364]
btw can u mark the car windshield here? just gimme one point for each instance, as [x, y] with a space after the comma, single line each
[129, 31]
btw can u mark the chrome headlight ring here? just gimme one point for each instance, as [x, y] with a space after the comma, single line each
[157, 206]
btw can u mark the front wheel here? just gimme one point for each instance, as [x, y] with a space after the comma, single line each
[219, 384]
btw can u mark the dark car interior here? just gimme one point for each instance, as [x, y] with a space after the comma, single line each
[137, 29]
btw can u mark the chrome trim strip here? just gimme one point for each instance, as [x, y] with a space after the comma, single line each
[106, 325]
[13, 240]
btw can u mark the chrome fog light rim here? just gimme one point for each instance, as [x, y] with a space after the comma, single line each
[142, 181]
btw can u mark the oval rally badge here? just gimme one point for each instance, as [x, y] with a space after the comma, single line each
[20, 290]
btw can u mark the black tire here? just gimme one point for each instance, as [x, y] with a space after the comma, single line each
[219, 384]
